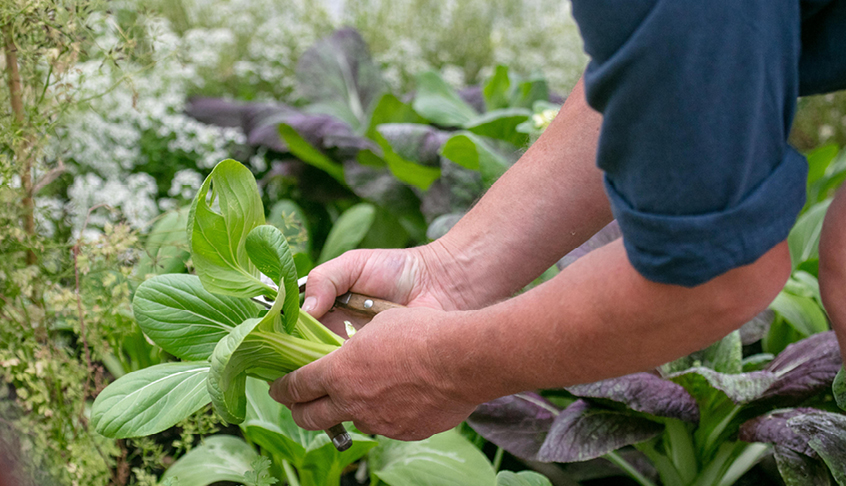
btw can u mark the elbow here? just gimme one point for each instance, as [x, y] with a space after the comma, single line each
[748, 290]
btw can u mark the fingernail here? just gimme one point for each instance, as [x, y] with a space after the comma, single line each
[309, 304]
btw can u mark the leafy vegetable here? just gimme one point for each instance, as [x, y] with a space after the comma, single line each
[352, 226]
[219, 458]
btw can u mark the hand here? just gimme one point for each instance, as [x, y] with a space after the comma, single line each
[387, 380]
[415, 277]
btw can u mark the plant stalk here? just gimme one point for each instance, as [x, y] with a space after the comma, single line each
[623, 464]
[290, 474]
[22, 150]
[497, 462]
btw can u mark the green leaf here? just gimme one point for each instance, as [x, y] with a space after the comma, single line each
[166, 250]
[726, 356]
[819, 160]
[390, 109]
[501, 125]
[497, 89]
[839, 388]
[471, 152]
[405, 170]
[443, 459]
[439, 103]
[292, 222]
[151, 400]
[350, 228]
[271, 426]
[269, 251]
[802, 313]
[217, 238]
[304, 151]
[253, 349]
[523, 478]
[185, 319]
[804, 239]
[259, 473]
[218, 458]
[797, 469]
[528, 93]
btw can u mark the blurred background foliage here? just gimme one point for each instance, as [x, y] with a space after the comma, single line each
[98, 139]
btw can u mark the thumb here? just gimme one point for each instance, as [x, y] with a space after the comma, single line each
[331, 279]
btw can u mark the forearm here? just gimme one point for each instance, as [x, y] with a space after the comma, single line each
[832, 271]
[598, 319]
[548, 203]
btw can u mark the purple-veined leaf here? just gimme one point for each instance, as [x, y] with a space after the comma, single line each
[517, 423]
[805, 368]
[827, 436]
[339, 78]
[644, 392]
[604, 236]
[800, 470]
[772, 428]
[582, 432]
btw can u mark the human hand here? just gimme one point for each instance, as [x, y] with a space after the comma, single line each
[415, 277]
[387, 380]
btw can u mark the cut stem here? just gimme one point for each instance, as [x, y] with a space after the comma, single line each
[290, 474]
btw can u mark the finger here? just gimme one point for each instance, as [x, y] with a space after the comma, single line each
[328, 281]
[303, 385]
[363, 428]
[318, 414]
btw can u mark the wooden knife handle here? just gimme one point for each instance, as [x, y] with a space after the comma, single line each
[365, 305]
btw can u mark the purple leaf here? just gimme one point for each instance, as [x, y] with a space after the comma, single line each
[473, 96]
[517, 423]
[827, 432]
[644, 392]
[339, 78]
[582, 432]
[604, 236]
[216, 111]
[773, 429]
[805, 368]
[754, 330]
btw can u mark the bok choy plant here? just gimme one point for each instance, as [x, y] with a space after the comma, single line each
[210, 322]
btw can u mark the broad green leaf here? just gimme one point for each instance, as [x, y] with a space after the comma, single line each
[185, 319]
[348, 231]
[522, 478]
[819, 160]
[271, 426]
[218, 458]
[254, 349]
[439, 103]
[269, 251]
[217, 237]
[497, 89]
[501, 125]
[292, 222]
[339, 78]
[471, 152]
[803, 313]
[528, 93]
[166, 249]
[148, 401]
[726, 356]
[804, 239]
[441, 460]
[304, 151]
[839, 388]
[405, 170]
[390, 109]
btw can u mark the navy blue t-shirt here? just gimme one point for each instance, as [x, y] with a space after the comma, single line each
[698, 98]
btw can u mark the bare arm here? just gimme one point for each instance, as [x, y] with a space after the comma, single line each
[833, 266]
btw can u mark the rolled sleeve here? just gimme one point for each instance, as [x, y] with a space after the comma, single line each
[698, 99]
